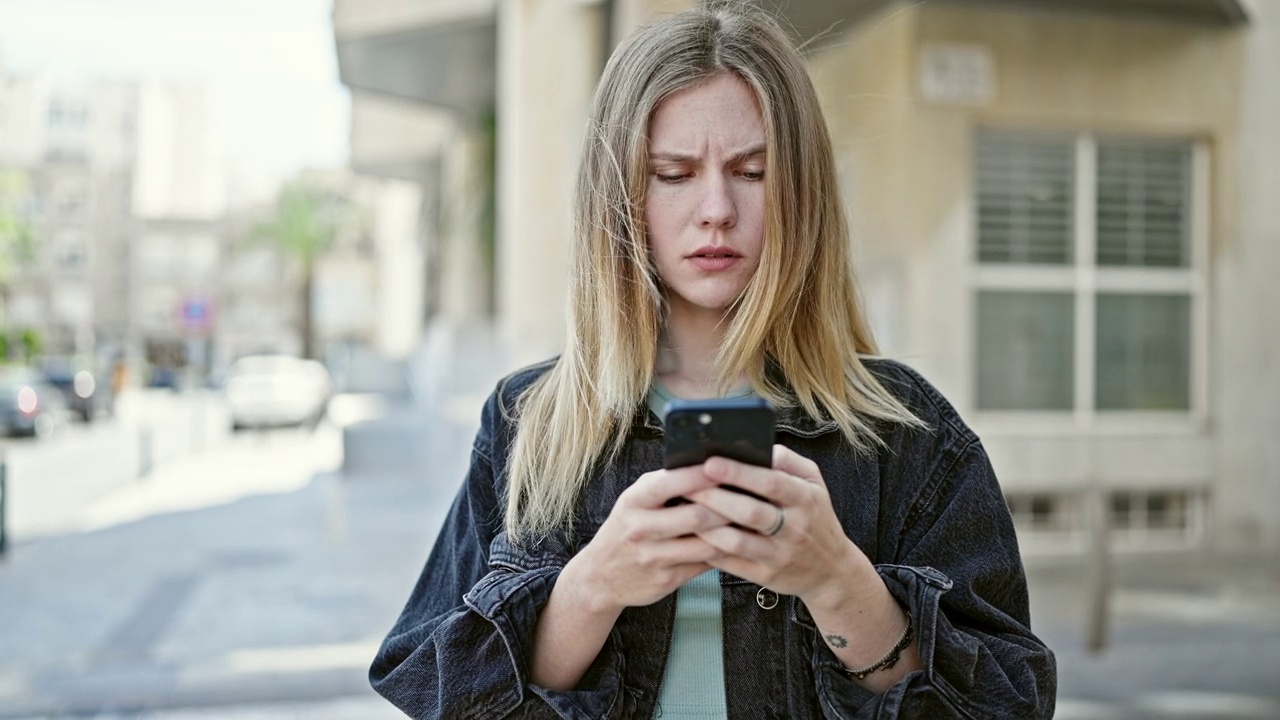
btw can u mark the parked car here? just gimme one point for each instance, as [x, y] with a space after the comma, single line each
[277, 390]
[28, 405]
[86, 393]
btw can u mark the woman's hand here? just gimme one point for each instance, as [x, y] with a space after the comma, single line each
[808, 556]
[645, 550]
[642, 552]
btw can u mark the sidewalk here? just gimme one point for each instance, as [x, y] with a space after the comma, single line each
[277, 596]
[253, 580]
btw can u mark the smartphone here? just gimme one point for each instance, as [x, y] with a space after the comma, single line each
[739, 428]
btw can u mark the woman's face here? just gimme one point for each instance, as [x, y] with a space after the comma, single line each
[705, 201]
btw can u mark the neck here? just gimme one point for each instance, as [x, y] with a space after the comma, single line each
[691, 339]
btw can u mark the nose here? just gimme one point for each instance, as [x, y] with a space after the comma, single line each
[718, 209]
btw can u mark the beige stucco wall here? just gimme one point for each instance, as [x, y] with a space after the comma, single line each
[907, 170]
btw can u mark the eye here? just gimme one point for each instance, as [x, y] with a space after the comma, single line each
[752, 175]
[671, 178]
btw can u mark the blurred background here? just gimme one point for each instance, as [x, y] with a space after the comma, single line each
[260, 262]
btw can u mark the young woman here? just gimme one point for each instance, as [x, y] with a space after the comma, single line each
[879, 576]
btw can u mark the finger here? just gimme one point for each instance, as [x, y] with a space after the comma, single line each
[744, 568]
[679, 551]
[739, 543]
[741, 509]
[793, 463]
[654, 489]
[673, 522]
[685, 573]
[775, 486]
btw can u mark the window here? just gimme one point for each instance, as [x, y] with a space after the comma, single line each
[1044, 512]
[1057, 521]
[1156, 511]
[1089, 282]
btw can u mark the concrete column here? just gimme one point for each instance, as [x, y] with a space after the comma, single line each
[549, 58]
[465, 279]
[550, 54]
[1244, 344]
[400, 260]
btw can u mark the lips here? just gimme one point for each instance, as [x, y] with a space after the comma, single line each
[714, 259]
[715, 252]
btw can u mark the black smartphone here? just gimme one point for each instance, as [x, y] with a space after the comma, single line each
[738, 428]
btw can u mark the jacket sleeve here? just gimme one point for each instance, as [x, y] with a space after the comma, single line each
[460, 647]
[959, 572]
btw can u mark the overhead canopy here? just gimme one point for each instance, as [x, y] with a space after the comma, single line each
[450, 64]
[818, 20]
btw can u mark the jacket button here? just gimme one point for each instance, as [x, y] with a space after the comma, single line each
[767, 599]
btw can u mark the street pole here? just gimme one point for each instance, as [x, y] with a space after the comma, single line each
[197, 421]
[144, 451]
[4, 492]
[1098, 514]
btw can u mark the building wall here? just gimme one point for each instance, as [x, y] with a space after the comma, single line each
[907, 166]
[24, 103]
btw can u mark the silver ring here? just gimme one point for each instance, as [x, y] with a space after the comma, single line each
[777, 523]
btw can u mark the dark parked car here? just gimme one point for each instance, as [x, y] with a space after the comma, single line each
[28, 405]
[85, 391]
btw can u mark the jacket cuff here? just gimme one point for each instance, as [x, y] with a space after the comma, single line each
[942, 650]
[512, 601]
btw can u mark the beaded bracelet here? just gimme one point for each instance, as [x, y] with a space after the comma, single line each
[890, 657]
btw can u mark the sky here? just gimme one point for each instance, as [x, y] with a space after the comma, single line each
[269, 64]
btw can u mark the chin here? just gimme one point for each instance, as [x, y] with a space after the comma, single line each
[709, 303]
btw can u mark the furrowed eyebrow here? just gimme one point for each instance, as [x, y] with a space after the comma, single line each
[747, 154]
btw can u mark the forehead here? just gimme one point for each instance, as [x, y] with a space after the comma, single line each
[720, 114]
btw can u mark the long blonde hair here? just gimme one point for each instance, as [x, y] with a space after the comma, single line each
[800, 311]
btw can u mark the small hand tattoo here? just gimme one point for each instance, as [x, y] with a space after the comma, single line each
[837, 641]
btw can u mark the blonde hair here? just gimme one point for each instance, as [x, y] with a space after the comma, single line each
[800, 311]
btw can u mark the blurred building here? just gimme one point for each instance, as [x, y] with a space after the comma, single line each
[73, 145]
[1060, 214]
[129, 198]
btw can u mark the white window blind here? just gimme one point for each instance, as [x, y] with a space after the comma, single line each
[1143, 203]
[1064, 318]
[1025, 187]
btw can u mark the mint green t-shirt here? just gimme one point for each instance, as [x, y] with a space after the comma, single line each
[693, 684]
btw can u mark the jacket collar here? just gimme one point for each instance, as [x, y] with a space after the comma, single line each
[792, 418]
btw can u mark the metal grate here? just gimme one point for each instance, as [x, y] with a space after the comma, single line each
[1143, 203]
[1025, 187]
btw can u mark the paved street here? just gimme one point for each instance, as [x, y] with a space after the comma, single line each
[249, 579]
[52, 480]
[247, 572]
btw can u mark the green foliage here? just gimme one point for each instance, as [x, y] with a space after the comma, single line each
[305, 223]
[32, 343]
[17, 244]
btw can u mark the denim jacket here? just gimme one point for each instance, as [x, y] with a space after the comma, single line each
[926, 509]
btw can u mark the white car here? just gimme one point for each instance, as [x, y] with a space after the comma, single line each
[277, 390]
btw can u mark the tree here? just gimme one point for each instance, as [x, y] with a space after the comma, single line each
[307, 220]
[17, 243]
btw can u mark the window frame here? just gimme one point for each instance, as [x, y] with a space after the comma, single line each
[1085, 279]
